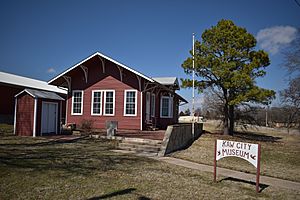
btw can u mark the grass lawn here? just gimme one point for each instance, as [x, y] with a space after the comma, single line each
[38, 168]
[279, 158]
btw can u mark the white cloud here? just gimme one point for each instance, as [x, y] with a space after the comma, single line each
[51, 70]
[274, 38]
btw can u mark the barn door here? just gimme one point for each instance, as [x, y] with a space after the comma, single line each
[49, 117]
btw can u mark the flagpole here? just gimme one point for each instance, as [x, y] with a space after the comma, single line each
[193, 101]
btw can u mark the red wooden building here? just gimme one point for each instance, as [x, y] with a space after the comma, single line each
[11, 85]
[101, 89]
[37, 113]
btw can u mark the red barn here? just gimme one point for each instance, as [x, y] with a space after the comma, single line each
[11, 85]
[101, 89]
[37, 113]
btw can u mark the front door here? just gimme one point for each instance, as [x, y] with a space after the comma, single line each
[49, 117]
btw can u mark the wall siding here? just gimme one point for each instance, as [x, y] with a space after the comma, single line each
[25, 115]
[97, 80]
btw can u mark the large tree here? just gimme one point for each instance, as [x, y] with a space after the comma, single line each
[225, 59]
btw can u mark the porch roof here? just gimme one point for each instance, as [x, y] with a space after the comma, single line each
[41, 94]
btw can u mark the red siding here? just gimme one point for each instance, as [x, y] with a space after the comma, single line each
[110, 80]
[7, 104]
[25, 115]
[161, 123]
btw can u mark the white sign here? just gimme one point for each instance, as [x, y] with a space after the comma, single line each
[242, 150]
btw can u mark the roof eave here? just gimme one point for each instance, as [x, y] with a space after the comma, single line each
[106, 57]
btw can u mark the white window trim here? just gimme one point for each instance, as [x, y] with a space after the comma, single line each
[135, 103]
[170, 111]
[73, 102]
[152, 107]
[114, 100]
[92, 103]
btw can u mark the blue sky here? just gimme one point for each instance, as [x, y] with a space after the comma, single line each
[40, 39]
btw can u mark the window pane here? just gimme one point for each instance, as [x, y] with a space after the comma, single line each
[77, 98]
[165, 107]
[109, 102]
[130, 103]
[97, 101]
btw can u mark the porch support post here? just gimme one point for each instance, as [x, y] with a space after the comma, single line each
[141, 111]
[85, 72]
[15, 118]
[34, 117]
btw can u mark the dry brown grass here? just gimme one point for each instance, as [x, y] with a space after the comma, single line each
[87, 169]
[280, 152]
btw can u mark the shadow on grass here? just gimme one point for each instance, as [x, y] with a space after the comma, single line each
[113, 194]
[84, 156]
[261, 186]
[44, 143]
[118, 193]
[256, 137]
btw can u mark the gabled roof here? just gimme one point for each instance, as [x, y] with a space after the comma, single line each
[106, 57]
[166, 80]
[41, 94]
[20, 81]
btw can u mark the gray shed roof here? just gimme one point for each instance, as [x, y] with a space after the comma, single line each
[12, 79]
[41, 94]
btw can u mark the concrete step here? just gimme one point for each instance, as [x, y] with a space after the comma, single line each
[140, 144]
[138, 147]
[142, 141]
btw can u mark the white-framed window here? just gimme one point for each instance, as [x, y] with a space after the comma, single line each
[77, 102]
[96, 108]
[152, 105]
[109, 102]
[166, 107]
[130, 103]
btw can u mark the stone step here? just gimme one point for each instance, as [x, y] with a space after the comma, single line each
[140, 144]
[142, 141]
[139, 147]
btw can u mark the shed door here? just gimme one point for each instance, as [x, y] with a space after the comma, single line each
[49, 117]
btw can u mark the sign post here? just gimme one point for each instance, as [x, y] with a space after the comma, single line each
[246, 151]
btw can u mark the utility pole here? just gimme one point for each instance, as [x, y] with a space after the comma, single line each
[193, 101]
[267, 115]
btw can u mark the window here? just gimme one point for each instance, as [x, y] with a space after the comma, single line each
[96, 102]
[152, 105]
[130, 102]
[166, 107]
[77, 102]
[109, 102]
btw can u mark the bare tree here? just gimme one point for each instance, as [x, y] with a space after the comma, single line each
[292, 56]
[290, 97]
[212, 104]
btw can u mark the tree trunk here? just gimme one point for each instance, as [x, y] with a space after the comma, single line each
[226, 120]
[231, 119]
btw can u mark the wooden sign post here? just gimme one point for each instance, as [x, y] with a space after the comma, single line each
[246, 151]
